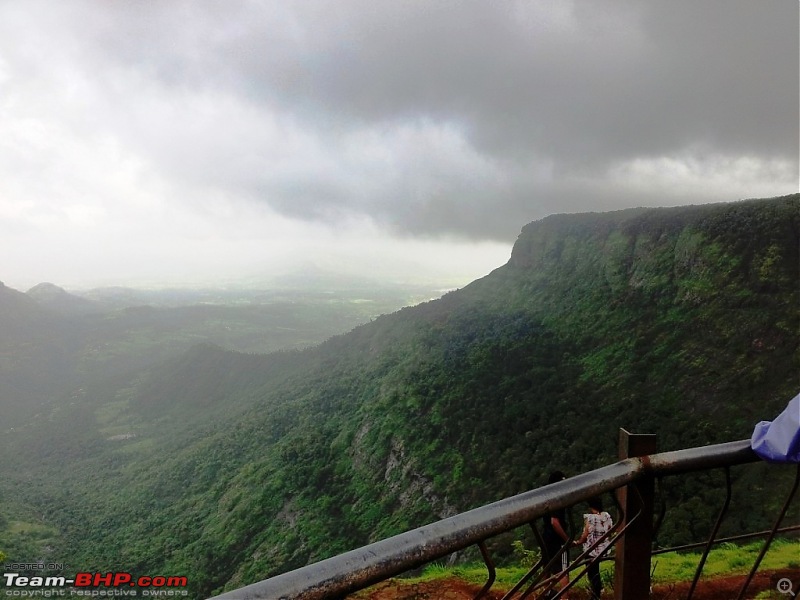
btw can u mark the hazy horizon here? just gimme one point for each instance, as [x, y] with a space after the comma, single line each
[198, 143]
[402, 272]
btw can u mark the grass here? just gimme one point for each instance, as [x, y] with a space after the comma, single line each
[725, 559]
[34, 530]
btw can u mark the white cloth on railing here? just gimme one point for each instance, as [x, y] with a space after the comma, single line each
[779, 440]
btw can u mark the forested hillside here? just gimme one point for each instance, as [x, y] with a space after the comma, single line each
[229, 468]
[53, 342]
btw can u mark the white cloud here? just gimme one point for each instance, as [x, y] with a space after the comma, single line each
[695, 173]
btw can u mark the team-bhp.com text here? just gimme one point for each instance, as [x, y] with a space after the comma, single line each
[120, 584]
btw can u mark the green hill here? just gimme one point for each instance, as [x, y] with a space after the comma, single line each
[59, 300]
[53, 343]
[230, 467]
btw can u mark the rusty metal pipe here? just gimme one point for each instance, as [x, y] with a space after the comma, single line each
[357, 569]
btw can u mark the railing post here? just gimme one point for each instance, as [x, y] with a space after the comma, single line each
[632, 572]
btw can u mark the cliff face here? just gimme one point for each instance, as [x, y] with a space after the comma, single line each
[691, 251]
[701, 301]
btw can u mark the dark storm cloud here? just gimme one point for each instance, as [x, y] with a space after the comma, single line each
[579, 87]
[585, 82]
[466, 118]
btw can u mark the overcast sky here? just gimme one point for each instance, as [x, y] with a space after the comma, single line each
[205, 141]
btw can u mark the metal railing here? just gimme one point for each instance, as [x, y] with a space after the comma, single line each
[633, 478]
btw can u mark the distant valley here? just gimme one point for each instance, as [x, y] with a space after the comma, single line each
[53, 339]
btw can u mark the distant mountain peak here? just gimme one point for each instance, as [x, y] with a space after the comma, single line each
[57, 299]
[17, 309]
[46, 287]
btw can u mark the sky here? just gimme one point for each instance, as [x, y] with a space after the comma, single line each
[188, 142]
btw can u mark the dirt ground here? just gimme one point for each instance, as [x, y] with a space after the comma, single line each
[720, 588]
[727, 588]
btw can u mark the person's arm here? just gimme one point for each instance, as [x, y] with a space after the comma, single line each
[584, 535]
[556, 523]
